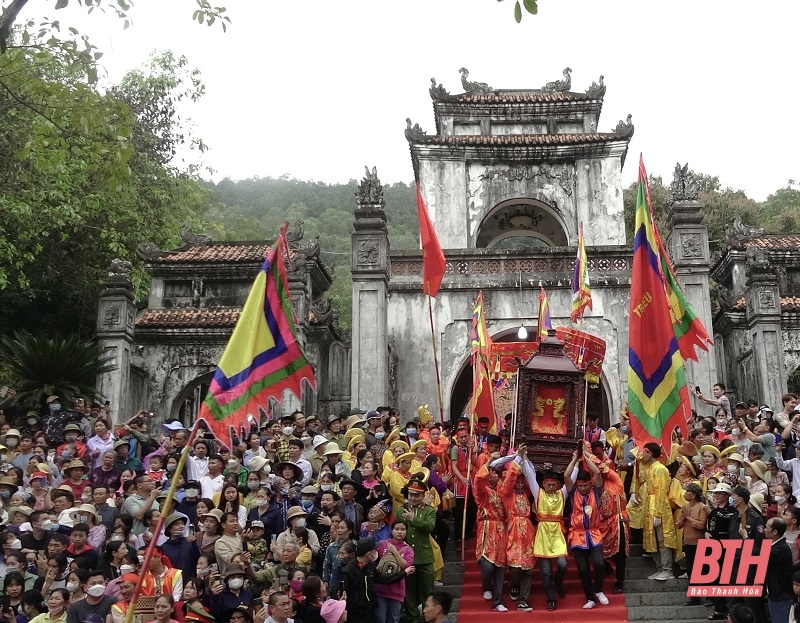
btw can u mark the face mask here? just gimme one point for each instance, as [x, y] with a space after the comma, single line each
[11, 568]
[16, 544]
[296, 585]
[731, 469]
[235, 584]
[380, 435]
[116, 537]
[262, 502]
[253, 486]
[307, 505]
[127, 569]
[191, 493]
[5, 494]
[411, 432]
[780, 500]
[326, 487]
[171, 468]
[11, 442]
[66, 454]
[54, 406]
[203, 572]
[84, 520]
[72, 587]
[141, 559]
[300, 522]
[87, 498]
[232, 463]
[735, 431]
[98, 590]
[306, 441]
[287, 430]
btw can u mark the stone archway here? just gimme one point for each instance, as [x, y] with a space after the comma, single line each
[186, 405]
[598, 397]
[521, 224]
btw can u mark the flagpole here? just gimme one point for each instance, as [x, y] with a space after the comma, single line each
[173, 487]
[469, 456]
[436, 363]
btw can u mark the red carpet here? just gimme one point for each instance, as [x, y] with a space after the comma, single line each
[474, 608]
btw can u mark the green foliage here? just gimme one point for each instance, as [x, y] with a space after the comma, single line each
[719, 208]
[254, 209]
[84, 177]
[781, 210]
[530, 6]
[38, 367]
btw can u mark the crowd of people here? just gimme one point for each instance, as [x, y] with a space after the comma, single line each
[298, 516]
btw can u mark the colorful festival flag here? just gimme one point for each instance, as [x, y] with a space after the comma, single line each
[658, 397]
[481, 344]
[689, 328]
[581, 291]
[263, 357]
[433, 262]
[544, 315]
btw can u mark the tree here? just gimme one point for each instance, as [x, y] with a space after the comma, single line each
[86, 188]
[781, 210]
[38, 367]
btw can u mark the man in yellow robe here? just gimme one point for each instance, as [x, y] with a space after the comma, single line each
[658, 524]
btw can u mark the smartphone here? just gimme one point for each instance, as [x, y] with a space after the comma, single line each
[741, 473]
[697, 390]
[191, 530]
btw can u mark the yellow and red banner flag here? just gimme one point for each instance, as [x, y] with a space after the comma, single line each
[263, 357]
[581, 290]
[481, 344]
[658, 397]
[544, 323]
[433, 262]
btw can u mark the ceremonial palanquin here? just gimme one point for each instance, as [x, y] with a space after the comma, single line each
[550, 404]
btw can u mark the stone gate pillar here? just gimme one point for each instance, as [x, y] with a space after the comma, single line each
[115, 319]
[687, 244]
[764, 322]
[369, 263]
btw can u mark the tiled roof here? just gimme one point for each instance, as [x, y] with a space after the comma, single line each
[218, 252]
[520, 139]
[788, 303]
[188, 318]
[775, 242]
[521, 97]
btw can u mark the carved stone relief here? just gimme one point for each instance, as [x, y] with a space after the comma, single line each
[368, 251]
[691, 245]
[766, 299]
[111, 317]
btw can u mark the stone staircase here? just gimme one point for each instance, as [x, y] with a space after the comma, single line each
[657, 602]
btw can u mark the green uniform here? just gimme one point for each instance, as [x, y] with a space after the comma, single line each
[418, 537]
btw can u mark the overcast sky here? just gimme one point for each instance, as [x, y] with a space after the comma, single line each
[319, 89]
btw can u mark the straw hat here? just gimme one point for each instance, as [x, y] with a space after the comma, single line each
[709, 448]
[392, 436]
[13, 432]
[726, 453]
[722, 487]
[420, 443]
[298, 472]
[406, 456]
[757, 502]
[422, 473]
[761, 470]
[257, 463]
[735, 456]
[25, 510]
[399, 444]
[332, 448]
[75, 464]
[295, 511]
[8, 481]
[685, 461]
[353, 420]
[59, 491]
[215, 513]
[688, 449]
[354, 433]
[85, 508]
